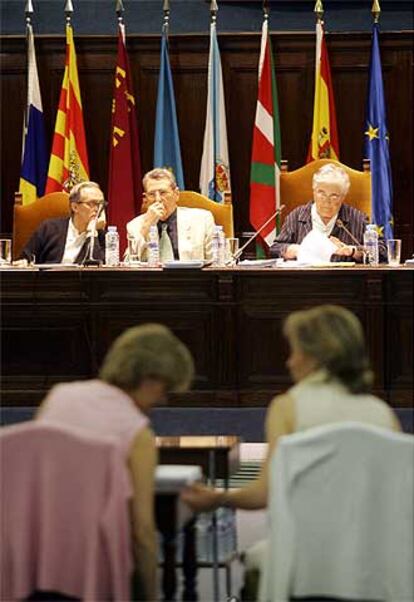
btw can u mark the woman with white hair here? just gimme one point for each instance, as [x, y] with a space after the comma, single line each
[330, 186]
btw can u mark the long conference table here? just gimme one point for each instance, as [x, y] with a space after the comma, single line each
[57, 324]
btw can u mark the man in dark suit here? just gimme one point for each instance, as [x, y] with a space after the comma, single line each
[326, 214]
[68, 239]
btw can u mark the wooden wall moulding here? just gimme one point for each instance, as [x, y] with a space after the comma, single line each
[236, 338]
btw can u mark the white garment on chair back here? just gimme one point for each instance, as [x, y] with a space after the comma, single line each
[341, 511]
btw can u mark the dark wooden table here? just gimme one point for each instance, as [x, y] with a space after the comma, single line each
[219, 457]
[57, 324]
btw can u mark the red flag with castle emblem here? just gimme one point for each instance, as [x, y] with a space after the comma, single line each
[124, 185]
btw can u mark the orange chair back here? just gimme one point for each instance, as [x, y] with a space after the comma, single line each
[27, 218]
[296, 186]
[222, 212]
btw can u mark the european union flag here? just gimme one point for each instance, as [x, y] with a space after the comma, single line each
[377, 144]
[167, 151]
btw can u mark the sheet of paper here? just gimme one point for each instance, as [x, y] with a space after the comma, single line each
[315, 247]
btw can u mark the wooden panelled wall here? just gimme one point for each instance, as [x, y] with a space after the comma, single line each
[294, 60]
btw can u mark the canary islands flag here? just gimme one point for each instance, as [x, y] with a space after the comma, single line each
[34, 154]
[167, 152]
[377, 144]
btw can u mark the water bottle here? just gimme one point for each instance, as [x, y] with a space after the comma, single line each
[222, 247]
[371, 244]
[112, 246]
[153, 248]
[215, 246]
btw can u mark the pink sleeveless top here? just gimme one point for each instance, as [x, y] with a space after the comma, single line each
[95, 407]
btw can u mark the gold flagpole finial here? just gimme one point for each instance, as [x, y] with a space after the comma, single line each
[266, 9]
[119, 9]
[166, 11]
[68, 11]
[376, 10]
[213, 10]
[318, 10]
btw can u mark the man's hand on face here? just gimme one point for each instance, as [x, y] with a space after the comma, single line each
[155, 212]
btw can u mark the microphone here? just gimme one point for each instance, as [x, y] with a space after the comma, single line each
[92, 233]
[341, 224]
[262, 227]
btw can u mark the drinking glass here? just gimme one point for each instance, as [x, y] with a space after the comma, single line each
[394, 251]
[232, 246]
[133, 257]
[5, 251]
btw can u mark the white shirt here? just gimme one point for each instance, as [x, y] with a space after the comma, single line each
[319, 224]
[74, 242]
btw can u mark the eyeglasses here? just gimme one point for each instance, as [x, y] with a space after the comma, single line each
[332, 198]
[163, 194]
[93, 204]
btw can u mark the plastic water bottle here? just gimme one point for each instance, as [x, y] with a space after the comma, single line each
[216, 246]
[222, 247]
[112, 246]
[153, 248]
[371, 244]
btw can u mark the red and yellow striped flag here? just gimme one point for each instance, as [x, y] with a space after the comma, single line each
[324, 142]
[69, 157]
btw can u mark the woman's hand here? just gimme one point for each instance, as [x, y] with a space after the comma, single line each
[201, 498]
[342, 248]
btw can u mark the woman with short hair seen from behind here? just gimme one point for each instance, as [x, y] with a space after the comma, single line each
[329, 364]
[141, 366]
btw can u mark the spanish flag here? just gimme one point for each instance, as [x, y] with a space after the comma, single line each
[324, 142]
[69, 158]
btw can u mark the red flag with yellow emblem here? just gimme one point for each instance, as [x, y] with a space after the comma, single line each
[324, 141]
[124, 185]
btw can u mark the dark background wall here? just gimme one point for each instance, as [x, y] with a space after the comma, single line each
[293, 48]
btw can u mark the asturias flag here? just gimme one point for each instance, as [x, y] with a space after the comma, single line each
[69, 157]
[167, 151]
[324, 142]
[215, 171]
[124, 185]
[34, 155]
[377, 144]
[266, 151]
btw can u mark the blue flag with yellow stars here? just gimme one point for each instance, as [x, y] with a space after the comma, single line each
[377, 144]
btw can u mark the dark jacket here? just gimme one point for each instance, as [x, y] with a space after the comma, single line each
[47, 243]
[299, 223]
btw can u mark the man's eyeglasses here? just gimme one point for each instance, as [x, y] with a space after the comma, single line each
[93, 204]
[162, 194]
[332, 198]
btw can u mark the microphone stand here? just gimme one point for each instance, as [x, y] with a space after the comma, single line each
[341, 224]
[237, 255]
[90, 260]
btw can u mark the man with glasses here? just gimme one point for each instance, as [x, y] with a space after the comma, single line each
[184, 233]
[326, 214]
[68, 239]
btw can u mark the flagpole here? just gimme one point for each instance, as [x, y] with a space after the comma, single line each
[376, 11]
[166, 17]
[319, 11]
[68, 12]
[213, 22]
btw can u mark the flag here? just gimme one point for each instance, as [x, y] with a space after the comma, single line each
[34, 153]
[167, 151]
[266, 151]
[377, 144]
[215, 172]
[124, 185]
[69, 158]
[324, 141]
